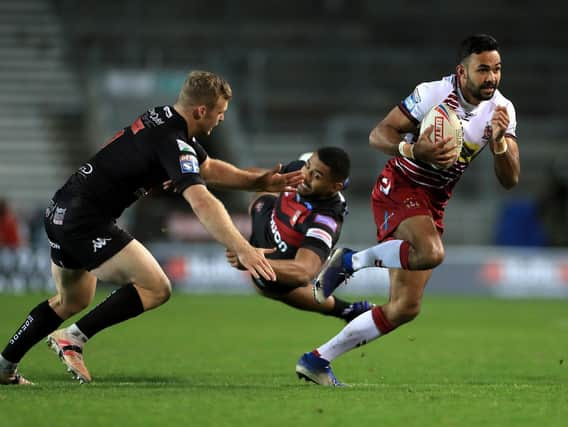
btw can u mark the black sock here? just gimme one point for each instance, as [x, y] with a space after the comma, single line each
[41, 321]
[339, 308]
[122, 304]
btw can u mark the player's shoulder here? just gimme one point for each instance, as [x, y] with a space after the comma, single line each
[437, 88]
[428, 94]
[163, 118]
[334, 207]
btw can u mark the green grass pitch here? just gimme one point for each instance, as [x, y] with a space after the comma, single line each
[209, 360]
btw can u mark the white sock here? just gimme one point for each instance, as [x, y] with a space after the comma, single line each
[76, 332]
[385, 254]
[359, 331]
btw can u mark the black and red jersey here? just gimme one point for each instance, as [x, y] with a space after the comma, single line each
[154, 149]
[304, 222]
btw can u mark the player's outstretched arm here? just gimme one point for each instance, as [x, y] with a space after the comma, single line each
[215, 218]
[225, 175]
[294, 272]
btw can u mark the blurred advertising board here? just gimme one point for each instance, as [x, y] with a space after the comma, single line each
[201, 267]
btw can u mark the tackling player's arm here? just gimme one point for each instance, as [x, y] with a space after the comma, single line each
[294, 272]
[215, 218]
[298, 271]
[505, 150]
[225, 175]
[387, 137]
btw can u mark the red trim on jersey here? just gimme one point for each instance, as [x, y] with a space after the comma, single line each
[115, 137]
[137, 126]
[381, 322]
[289, 206]
[402, 108]
[289, 235]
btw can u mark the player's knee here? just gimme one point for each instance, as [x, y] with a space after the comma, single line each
[406, 311]
[163, 289]
[73, 305]
[431, 256]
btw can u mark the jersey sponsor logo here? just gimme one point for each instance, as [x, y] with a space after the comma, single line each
[86, 169]
[189, 164]
[99, 243]
[326, 220]
[59, 215]
[155, 117]
[385, 186]
[168, 111]
[318, 233]
[53, 244]
[184, 147]
[280, 244]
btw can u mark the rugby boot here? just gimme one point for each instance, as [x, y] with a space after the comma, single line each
[332, 274]
[317, 370]
[12, 377]
[70, 351]
[355, 309]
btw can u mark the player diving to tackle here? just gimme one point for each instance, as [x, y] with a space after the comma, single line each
[303, 227]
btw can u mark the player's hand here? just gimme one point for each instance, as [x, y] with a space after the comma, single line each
[499, 122]
[442, 154]
[273, 181]
[253, 260]
[167, 185]
[233, 259]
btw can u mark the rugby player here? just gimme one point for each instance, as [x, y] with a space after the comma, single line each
[410, 194]
[86, 244]
[303, 227]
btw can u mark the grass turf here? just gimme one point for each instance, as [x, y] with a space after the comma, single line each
[205, 360]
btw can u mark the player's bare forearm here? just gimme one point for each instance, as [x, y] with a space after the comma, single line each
[507, 164]
[386, 135]
[298, 271]
[214, 217]
[220, 174]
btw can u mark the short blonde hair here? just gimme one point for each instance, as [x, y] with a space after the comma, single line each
[203, 88]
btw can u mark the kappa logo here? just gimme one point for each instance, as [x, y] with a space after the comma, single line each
[100, 242]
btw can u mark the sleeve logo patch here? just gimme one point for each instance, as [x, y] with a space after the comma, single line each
[326, 220]
[318, 233]
[184, 147]
[188, 164]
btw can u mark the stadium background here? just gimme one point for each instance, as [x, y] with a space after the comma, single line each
[304, 74]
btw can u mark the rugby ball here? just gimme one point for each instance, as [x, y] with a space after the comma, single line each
[446, 123]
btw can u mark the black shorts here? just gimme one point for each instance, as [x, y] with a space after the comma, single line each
[80, 236]
[260, 213]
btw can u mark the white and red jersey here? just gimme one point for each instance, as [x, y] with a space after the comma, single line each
[476, 120]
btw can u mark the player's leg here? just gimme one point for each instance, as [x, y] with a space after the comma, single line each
[404, 304]
[75, 290]
[424, 249]
[302, 298]
[145, 286]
